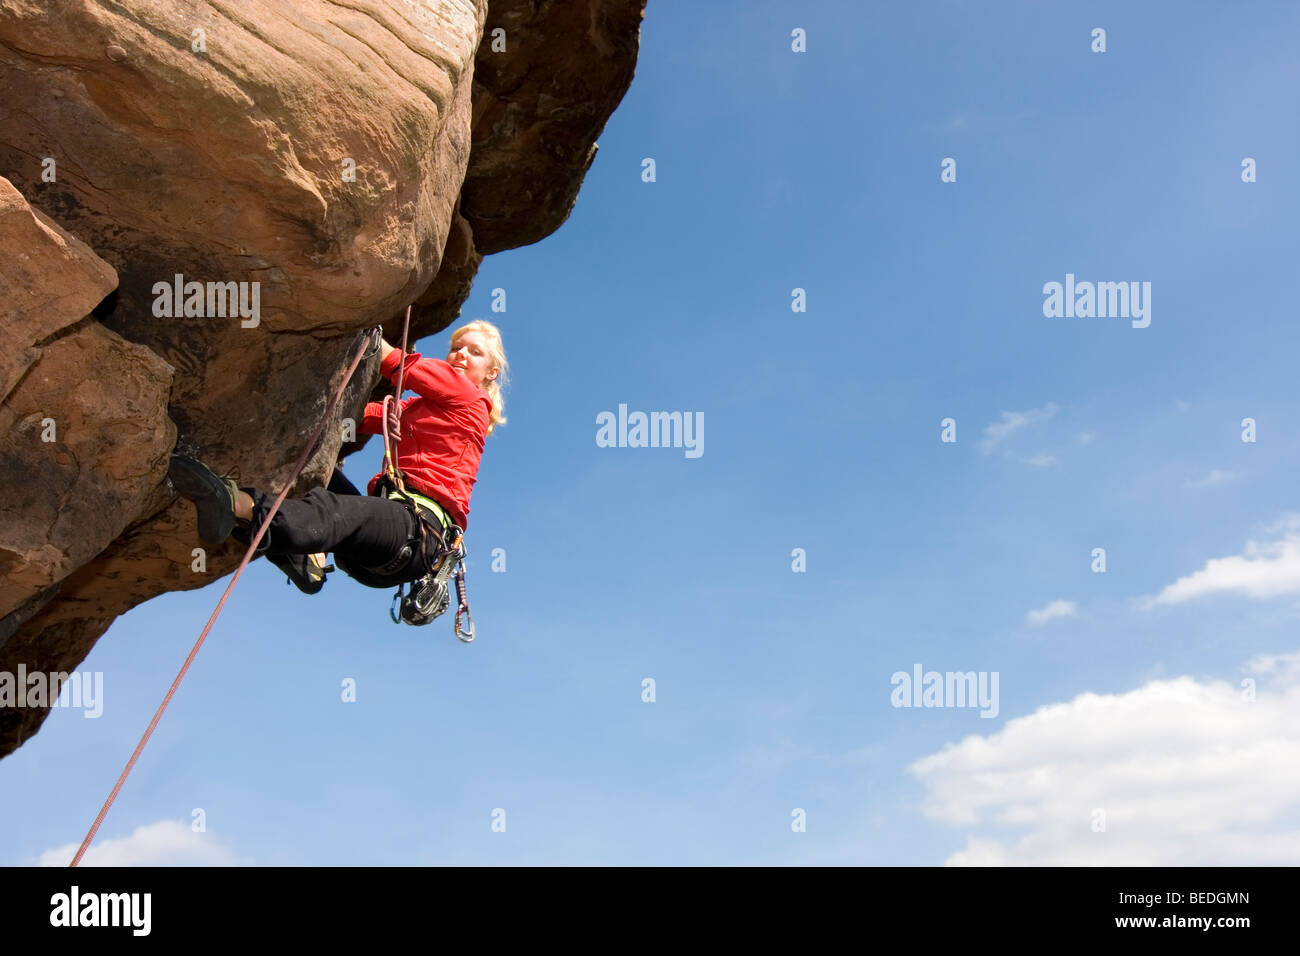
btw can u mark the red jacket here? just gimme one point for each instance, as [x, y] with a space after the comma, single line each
[443, 430]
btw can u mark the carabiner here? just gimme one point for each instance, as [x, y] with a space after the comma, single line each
[469, 619]
[392, 610]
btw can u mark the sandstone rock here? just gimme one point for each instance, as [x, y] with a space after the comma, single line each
[236, 161]
[49, 280]
[83, 412]
[538, 107]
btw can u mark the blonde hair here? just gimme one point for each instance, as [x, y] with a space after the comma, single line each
[497, 353]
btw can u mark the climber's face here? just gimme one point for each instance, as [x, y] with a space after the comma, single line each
[469, 355]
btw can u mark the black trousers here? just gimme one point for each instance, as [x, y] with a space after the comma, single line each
[368, 532]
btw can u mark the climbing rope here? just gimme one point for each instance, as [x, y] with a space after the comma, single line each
[302, 461]
[393, 407]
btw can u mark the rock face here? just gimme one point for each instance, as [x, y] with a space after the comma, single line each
[83, 410]
[323, 164]
[537, 111]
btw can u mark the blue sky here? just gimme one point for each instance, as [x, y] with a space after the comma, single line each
[821, 170]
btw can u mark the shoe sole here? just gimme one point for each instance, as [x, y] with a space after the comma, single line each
[295, 566]
[194, 480]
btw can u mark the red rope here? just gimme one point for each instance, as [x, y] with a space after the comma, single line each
[401, 371]
[139, 748]
[395, 403]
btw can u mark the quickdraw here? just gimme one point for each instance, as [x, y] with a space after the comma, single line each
[429, 595]
[463, 607]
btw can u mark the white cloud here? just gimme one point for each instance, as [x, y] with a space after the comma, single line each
[1284, 667]
[986, 124]
[1263, 570]
[1040, 460]
[1055, 609]
[1012, 422]
[1216, 477]
[1187, 772]
[1287, 523]
[165, 843]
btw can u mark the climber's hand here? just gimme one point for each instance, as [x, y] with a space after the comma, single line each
[394, 435]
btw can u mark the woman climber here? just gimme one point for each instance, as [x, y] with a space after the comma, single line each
[383, 538]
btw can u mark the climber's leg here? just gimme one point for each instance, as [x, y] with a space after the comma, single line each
[308, 572]
[340, 485]
[369, 531]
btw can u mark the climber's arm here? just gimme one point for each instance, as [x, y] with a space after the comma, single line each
[373, 421]
[433, 379]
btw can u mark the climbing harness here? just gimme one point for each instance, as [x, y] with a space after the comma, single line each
[438, 546]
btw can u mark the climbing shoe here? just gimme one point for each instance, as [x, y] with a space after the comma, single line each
[214, 496]
[302, 570]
